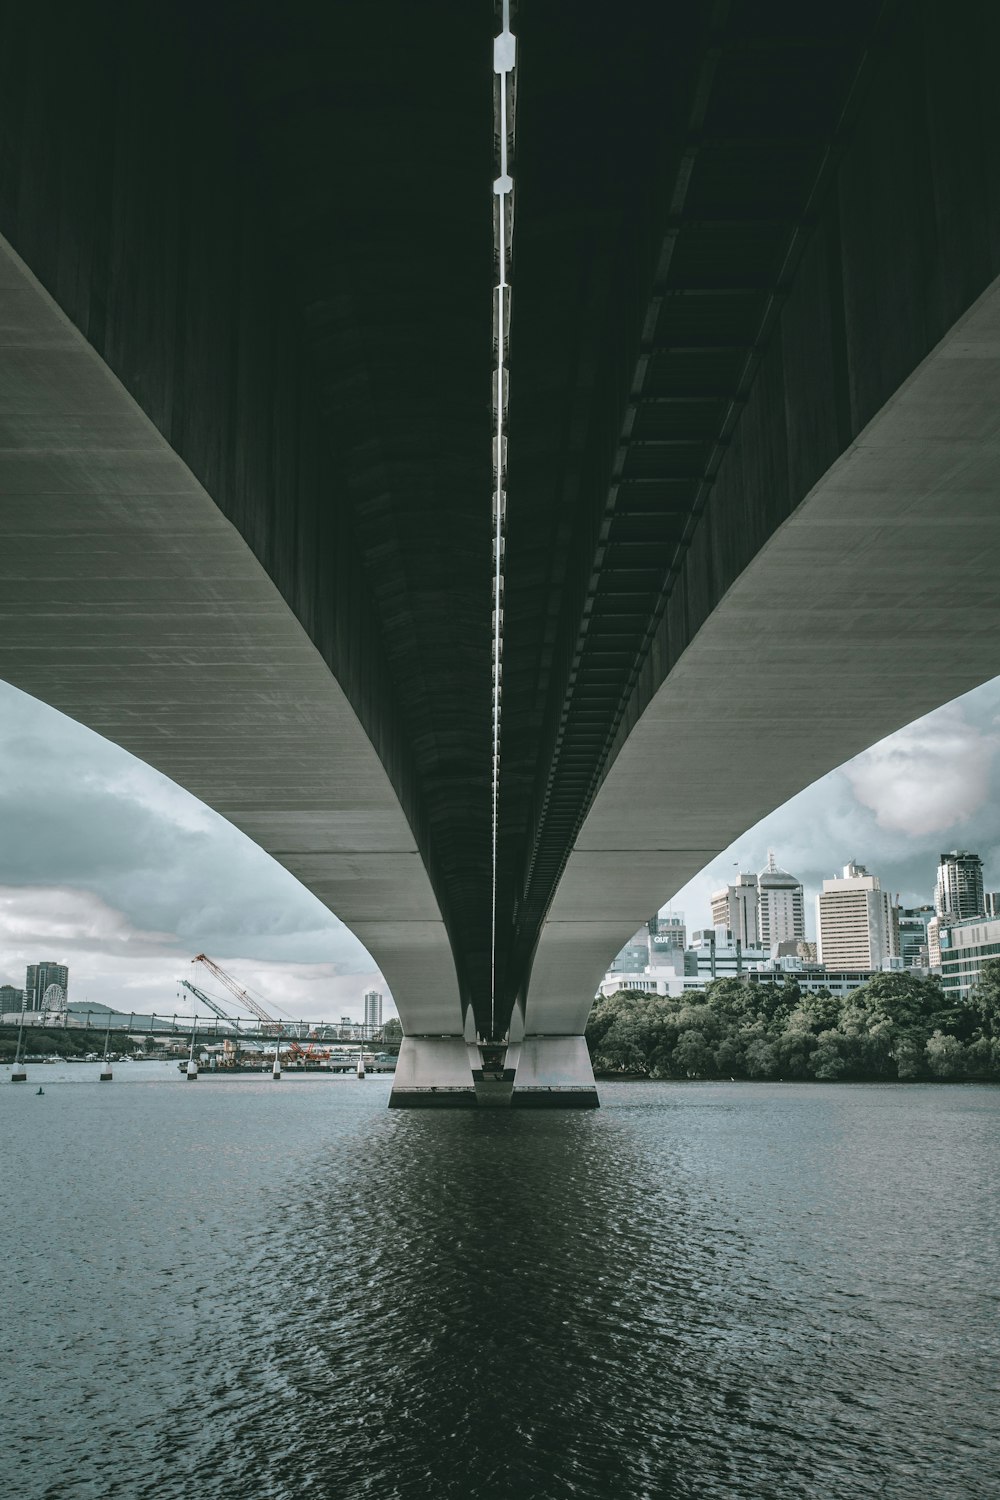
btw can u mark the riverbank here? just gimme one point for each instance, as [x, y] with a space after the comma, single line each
[630, 1078]
[898, 1027]
[69, 1043]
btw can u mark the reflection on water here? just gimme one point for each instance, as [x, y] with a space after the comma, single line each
[702, 1290]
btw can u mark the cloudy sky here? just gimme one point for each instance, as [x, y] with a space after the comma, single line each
[926, 789]
[110, 868]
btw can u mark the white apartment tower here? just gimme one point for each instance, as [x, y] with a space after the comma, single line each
[959, 891]
[373, 1008]
[854, 922]
[781, 914]
[735, 907]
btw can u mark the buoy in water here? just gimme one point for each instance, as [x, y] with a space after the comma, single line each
[361, 1065]
[276, 1069]
[192, 1071]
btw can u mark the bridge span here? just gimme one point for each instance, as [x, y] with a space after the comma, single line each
[747, 463]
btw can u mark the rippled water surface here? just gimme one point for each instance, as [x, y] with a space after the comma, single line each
[241, 1289]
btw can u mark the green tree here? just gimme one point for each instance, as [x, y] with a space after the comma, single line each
[906, 1000]
[732, 998]
[701, 1018]
[983, 1057]
[908, 1056]
[761, 1059]
[984, 1002]
[795, 1045]
[729, 1058]
[774, 1003]
[946, 1056]
[603, 1016]
[827, 1062]
[627, 1044]
[692, 1055]
[820, 1010]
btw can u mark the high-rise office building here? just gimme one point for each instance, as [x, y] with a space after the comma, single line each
[11, 999]
[991, 903]
[854, 922]
[912, 922]
[373, 1008]
[959, 891]
[37, 980]
[781, 906]
[735, 908]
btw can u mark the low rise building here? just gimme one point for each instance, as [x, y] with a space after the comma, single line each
[718, 953]
[812, 978]
[964, 947]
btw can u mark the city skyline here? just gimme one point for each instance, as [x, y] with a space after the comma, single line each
[931, 786]
[114, 870]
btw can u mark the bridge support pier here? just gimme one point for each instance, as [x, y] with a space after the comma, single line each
[554, 1072]
[434, 1072]
[539, 1072]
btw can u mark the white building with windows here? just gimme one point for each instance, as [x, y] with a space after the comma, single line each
[780, 906]
[964, 947]
[813, 978]
[713, 954]
[735, 907]
[854, 921]
[373, 1008]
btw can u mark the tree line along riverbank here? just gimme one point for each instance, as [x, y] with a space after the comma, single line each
[896, 1026]
[57, 1041]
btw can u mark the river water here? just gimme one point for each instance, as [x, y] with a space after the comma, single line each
[242, 1289]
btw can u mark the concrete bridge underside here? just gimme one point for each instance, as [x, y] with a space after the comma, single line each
[753, 458]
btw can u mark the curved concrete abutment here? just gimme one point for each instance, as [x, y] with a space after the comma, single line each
[129, 603]
[132, 605]
[873, 604]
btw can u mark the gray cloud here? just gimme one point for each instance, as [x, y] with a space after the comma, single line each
[930, 777]
[109, 866]
[930, 787]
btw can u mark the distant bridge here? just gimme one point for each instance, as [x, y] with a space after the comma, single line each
[301, 458]
[246, 1029]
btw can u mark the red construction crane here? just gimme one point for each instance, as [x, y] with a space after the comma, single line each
[237, 989]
